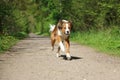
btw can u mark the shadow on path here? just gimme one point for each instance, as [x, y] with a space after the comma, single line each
[72, 57]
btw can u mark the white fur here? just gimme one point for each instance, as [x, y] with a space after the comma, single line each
[52, 27]
[58, 54]
[68, 55]
[67, 29]
[52, 48]
[64, 20]
[62, 46]
[59, 33]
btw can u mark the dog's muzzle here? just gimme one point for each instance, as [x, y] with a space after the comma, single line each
[67, 32]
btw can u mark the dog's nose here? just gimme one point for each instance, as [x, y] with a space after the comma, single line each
[67, 32]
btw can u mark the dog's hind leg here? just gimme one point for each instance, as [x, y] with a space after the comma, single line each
[52, 43]
[58, 52]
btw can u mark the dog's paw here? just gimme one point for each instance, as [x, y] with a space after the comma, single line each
[52, 48]
[58, 55]
[68, 56]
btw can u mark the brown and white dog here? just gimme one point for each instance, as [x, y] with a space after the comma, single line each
[60, 33]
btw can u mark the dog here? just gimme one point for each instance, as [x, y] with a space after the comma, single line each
[60, 33]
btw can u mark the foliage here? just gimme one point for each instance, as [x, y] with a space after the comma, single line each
[6, 42]
[32, 15]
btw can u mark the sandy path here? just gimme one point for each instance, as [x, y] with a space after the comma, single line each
[32, 59]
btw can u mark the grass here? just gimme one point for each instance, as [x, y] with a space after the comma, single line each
[105, 41]
[8, 41]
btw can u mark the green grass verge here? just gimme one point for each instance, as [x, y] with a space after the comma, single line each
[8, 41]
[104, 41]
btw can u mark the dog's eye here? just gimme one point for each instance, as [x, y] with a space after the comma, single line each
[64, 27]
[59, 27]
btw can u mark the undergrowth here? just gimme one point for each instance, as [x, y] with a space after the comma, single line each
[7, 41]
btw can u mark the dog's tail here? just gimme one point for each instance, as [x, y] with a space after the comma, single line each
[52, 27]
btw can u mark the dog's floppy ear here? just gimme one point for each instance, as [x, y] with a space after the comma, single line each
[70, 23]
[59, 25]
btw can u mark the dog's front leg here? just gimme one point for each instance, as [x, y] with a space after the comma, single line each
[61, 46]
[67, 44]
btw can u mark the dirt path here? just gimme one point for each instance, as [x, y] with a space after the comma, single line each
[32, 59]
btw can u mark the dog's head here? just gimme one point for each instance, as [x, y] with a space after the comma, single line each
[65, 26]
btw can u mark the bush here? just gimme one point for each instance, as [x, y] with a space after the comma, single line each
[21, 35]
[6, 42]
